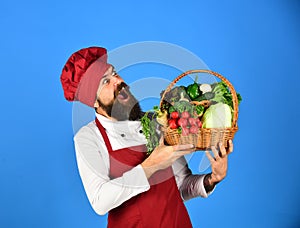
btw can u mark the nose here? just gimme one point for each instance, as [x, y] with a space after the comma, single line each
[117, 80]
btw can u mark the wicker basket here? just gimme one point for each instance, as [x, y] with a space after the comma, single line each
[206, 137]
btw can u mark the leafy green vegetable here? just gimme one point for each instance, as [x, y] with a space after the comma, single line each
[171, 109]
[205, 96]
[217, 116]
[182, 106]
[239, 97]
[223, 95]
[174, 94]
[209, 95]
[156, 108]
[149, 126]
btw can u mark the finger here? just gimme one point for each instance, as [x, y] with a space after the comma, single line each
[222, 150]
[210, 158]
[215, 152]
[183, 147]
[184, 152]
[161, 140]
[230, 148]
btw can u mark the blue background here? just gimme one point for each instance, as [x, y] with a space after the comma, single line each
[255, 43]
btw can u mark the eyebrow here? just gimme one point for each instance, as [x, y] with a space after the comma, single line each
[106, 75]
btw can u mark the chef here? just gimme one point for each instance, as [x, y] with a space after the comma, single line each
[119, 178]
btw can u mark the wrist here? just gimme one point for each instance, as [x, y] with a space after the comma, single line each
[148, 169]
[208, 182]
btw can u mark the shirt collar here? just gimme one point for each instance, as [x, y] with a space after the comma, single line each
[121, 126]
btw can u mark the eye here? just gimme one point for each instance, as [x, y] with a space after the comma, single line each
[105, 81]
[114, 73]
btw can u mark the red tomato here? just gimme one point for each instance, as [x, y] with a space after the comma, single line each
[174, 115]
[185, 131]
[185, 115]
[192, 121]
[182, 122]
[173, 124]
[193, 129]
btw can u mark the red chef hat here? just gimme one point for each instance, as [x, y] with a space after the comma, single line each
[82, 73]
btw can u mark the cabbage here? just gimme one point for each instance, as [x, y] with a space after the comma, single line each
[217, 116]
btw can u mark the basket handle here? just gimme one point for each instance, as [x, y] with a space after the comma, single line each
[231, 88]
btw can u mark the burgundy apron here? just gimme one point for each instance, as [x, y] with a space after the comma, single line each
[160, 206]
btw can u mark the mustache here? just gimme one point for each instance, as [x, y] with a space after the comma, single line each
[120, 87]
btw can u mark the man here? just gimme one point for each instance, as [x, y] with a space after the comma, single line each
[119, 178]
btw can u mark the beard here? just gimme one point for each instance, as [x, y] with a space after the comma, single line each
[131, 110]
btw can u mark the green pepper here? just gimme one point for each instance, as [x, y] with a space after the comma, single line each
[193, 90]
[199, 110]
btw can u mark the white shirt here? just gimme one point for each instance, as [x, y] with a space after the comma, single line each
[92, 156]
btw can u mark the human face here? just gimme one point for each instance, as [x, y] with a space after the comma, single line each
[108, 86]
[114, 99]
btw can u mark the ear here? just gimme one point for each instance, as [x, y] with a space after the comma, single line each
[96, 104]
[100, 111]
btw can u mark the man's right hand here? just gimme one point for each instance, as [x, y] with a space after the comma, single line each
[164, 156]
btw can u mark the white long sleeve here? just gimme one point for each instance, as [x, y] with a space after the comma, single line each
[189, 185]
[103, 193]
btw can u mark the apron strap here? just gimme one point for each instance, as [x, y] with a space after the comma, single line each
[104, 135]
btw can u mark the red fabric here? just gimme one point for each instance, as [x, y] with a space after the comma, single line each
[82, 73]
[160, 206]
